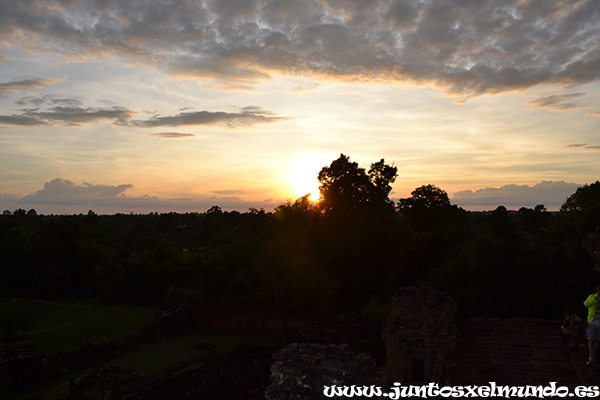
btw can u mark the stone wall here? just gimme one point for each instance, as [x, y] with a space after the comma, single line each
[362, 335]
[419, 336]
[252, 320]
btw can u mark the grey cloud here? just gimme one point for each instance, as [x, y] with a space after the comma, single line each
[65, 114]
[465, 47]
[551, 194]
[49, 110]
[172, 135]
[25, 84]
[78, 115]
[60, 191]
[229, 192]
[42, 99]
[64, 196]
[584, 146]
[32, 100]
[246, 117]
[21, 120]
[558, 102]
[9, 198]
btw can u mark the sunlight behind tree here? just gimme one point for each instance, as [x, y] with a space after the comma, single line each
[303, 176]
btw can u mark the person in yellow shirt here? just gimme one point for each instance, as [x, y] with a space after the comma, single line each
[593, 325]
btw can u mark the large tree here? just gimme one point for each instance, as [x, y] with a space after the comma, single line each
[576, 225]
[425, 197]
[584, 205]
[347, 187]
[358, 241]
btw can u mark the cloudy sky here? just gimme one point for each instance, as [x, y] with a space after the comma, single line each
[126, 105]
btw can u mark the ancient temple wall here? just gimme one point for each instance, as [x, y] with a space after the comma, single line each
[419, 335]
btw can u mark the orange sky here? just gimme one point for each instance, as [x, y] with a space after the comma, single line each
[122, 106]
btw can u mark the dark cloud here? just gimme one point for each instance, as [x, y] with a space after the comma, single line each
[577, 145]
[551, 194]
[21, 120]
[560, 102]
[584, 146]
[72, 115]
[49, 110]
[25, 84]
[172, 135]
[45, 99]
[245, 117]
[63, 111]
[465, 47]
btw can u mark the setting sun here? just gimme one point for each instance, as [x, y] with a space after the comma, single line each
[303, 176]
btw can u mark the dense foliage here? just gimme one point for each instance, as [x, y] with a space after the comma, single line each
[351, 249]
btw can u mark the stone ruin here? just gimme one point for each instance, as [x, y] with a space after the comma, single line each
[302, 370]
[19, 367]
[419, 336]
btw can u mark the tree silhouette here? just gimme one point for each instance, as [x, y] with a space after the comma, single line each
[358, 243]
[584, 206]
[425, 197]
[347, 187]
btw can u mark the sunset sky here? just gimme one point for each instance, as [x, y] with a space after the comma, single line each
[139, 106]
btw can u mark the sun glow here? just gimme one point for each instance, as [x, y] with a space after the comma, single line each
[303, 176]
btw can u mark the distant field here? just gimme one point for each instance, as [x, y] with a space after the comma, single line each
[66, 325]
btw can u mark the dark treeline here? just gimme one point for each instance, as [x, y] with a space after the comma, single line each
[351, 249]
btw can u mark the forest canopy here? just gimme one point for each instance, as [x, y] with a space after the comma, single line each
[344, 253]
